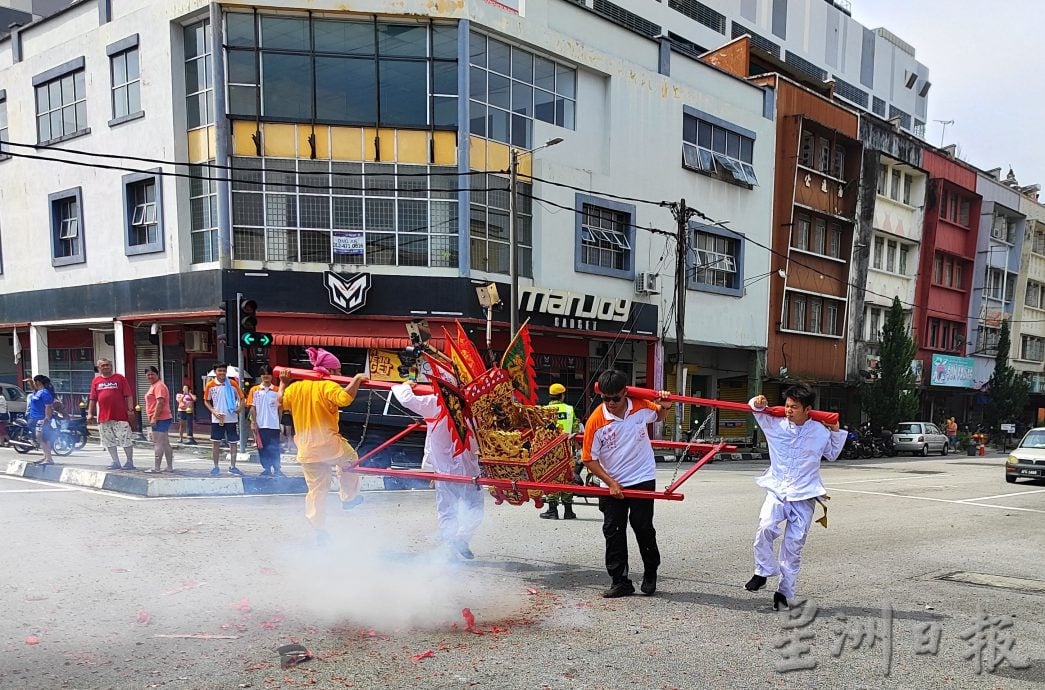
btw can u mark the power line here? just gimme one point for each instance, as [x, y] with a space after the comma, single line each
[210, 178]
[651, 229]
[602, 194]
[865, 290]
[219, 166]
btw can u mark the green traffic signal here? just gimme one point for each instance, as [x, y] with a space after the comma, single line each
[256, 339]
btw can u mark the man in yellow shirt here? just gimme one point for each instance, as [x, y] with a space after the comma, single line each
[322, 451]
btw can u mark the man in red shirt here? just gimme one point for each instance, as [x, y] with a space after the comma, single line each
[111, 402]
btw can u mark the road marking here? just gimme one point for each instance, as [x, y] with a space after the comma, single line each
[1017, 493]
[893, 479]
[33, 491]
[938, 500]
[1019, 584]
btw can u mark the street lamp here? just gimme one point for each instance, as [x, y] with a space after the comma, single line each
[513, 245]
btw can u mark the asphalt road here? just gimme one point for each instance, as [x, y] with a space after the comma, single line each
[94, 585]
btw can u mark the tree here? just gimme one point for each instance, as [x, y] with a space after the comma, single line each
[892, 397]
[1006, 389]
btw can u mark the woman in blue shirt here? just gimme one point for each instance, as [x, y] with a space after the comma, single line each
[39, 411]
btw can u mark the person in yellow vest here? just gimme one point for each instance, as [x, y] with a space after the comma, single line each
[567, 420]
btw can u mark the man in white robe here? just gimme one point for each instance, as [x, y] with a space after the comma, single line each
[459, 506]
[792, 484]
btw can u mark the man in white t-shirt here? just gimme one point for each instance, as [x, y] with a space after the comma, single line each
[265, 415]
[617, 450]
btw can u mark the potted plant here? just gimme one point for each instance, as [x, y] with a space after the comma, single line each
[966, 441]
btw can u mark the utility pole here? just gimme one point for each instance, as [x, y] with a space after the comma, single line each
[682, 214]
[242, 421]
[513, 246]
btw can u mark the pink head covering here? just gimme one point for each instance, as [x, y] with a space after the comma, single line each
[322, 361]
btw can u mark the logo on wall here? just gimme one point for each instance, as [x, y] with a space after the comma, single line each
[347, 294]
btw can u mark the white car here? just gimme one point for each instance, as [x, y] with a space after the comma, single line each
[919, 437]
[15, 397]
[1027, 461]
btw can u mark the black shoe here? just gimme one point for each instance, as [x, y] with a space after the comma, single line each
[780, 600]
[756, 583]
[567, 512]
[551, 514]
[463, 551]
[621, 589]
[649, 584]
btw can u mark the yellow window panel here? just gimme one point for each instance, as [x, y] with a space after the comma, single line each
[411, 146]
[477, 153]
[369, 145]
[242, 138]
[445, 145]
[200, 144]
[346, 143]
[280, 140]
[322, 142]
[497, 156]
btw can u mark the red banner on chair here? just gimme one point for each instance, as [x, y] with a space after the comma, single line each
[518, 362]
[455, 408]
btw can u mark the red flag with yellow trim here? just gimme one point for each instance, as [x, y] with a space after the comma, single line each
[455, 408]
[465, 355]
[518, 362]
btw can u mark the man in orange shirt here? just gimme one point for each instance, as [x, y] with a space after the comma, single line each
[322, 451]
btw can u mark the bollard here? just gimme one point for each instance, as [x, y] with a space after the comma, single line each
[141, 429]
[982, 451]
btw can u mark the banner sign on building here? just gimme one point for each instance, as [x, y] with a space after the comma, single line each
[348, 243]
[953, 372]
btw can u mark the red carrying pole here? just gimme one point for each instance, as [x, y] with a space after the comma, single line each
[309, 375]
[547, 487]
[410, 429]
[776, 410]
[689, 473]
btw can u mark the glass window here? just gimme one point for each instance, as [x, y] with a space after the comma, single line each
[879, 252]
[815, 315]
[199, 92]
[798, 312]
[239, 29]
[346, 89]
[605, 238]
[143, 231]
[890, 257]
[284, 33]
[64, 112]
[402, 40]
[908, 184]
[126, 83]
[831, 318]
[816, 240]
[354, 38]
[894, 189]
[703, 141]
[938, 269]
[834, 247]
[904, 252]
[287, 92]
[801, 240]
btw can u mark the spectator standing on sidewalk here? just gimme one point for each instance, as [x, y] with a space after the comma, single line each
[186, 414]
[617, 450]
[264, 411]
[322, 452]
[39, 412]
[158, 411]
[111, 403]
[223, 397]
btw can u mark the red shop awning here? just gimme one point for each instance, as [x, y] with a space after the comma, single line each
[358, 341]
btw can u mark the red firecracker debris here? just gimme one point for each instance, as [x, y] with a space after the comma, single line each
[531, 590]
[272, 623]
[427, 654]
[243, 605]
[144, 616]
[265, 570]
[185, 586]
[469, 620]
[37, 597]
[120, 570]
[32, 639]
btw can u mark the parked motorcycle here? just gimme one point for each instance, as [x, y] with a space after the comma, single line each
[75, 428]
[23, 439]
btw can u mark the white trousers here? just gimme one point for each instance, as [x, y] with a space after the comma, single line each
[797, 517]
[460, 509]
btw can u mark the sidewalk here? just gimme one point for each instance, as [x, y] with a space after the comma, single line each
[89, 467]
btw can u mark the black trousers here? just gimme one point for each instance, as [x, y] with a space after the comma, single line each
[616, 513]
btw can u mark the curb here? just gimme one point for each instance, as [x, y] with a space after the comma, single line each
[167, 487]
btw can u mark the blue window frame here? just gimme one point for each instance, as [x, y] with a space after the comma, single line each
[716, 263]
[66, 214]
[143, 213]
[605, 237]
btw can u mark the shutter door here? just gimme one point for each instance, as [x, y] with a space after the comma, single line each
[731, 424]
[144, 356]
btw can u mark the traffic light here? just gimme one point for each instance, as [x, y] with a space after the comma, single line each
[248, 335]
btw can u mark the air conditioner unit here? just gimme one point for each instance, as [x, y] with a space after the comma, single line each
[197, 341]
[647, 284]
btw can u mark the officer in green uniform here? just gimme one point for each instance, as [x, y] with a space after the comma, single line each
[567, 420]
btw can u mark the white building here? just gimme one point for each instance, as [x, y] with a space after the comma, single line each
[1028, 342]
[361, 182]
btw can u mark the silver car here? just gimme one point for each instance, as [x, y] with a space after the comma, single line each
[15, 397]
[919, 437]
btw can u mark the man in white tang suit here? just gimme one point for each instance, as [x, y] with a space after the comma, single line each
[459, 506]
[793, 486]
